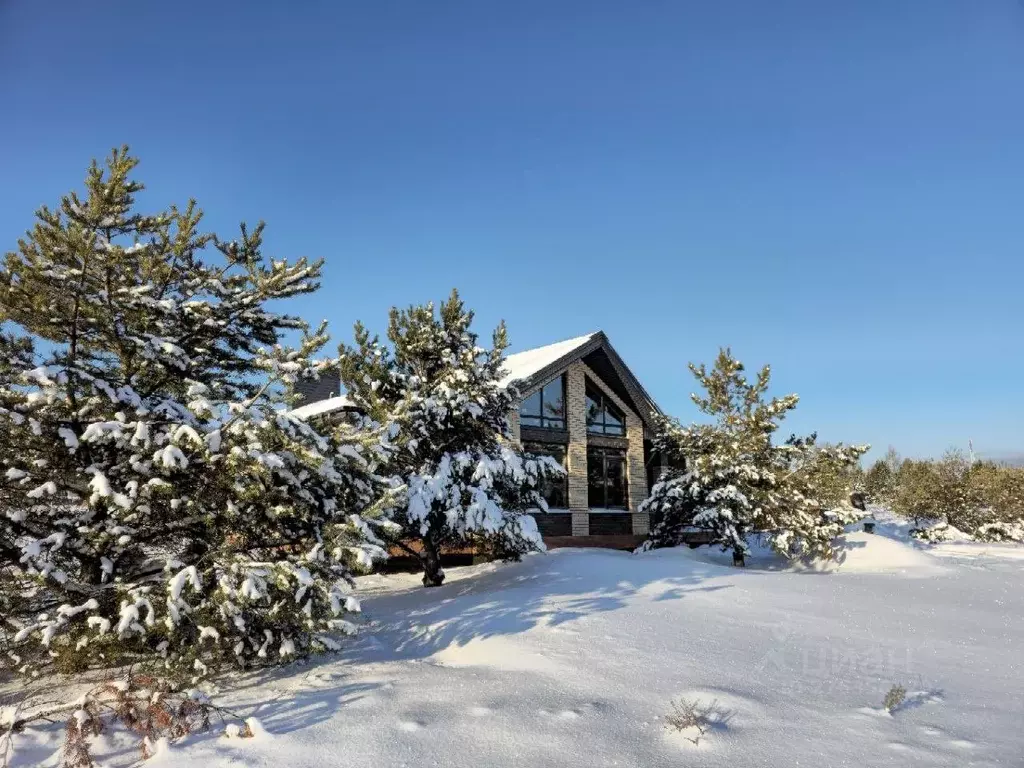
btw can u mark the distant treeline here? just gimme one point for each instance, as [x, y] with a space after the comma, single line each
[983, 499]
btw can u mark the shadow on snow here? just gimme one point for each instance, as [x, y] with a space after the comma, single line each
[509, 599]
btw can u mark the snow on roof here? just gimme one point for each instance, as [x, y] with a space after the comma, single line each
[523, 365]
[321, 406]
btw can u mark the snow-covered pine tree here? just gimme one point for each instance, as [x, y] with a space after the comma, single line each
[729, 478]
[155, 504]
[814, 489]
[457, 478]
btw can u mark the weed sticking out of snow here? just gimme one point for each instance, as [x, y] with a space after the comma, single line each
[894, 698]
[693, 719]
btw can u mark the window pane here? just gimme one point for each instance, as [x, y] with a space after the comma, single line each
[554, 423]
[554, 493]
[616, 480]
[529, 421]
[595, 478]
[611, 415]
[531, 405]
[614, 429]
[554, 403]
[593, 411]
[553, 489]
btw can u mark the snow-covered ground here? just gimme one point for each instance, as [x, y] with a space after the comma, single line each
[572, 659]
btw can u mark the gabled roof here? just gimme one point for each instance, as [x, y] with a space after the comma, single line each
[522, 366]
[534, 366]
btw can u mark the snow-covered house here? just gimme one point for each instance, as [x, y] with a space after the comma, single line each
[581, 405]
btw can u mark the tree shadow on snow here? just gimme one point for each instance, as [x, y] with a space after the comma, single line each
[917, 699]
[542, 591]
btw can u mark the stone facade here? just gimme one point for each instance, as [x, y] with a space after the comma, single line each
[576, 375]
[576, 421]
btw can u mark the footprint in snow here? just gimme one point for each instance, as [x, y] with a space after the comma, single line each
[410, 725]
[564, 714]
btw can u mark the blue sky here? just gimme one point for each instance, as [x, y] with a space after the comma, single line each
[835, 188]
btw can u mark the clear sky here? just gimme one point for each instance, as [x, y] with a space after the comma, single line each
[836, 188]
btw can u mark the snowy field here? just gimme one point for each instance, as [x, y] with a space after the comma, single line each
[572, 659]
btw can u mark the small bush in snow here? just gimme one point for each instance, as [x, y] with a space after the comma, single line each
[939, 532]
[691, 718]
[894, 698]
[156, 506]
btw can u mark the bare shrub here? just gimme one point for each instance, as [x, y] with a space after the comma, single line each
[148, 707]
[894, 698]
[691, 715]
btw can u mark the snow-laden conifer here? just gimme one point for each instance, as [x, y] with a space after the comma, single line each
[457, 479]
[156, 503]
[730, 478]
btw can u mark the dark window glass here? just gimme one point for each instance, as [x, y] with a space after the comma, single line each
[554, 403]
[603, 417]
[545, 408]
[616, 488]
[595, 479]
[606, 478]
[554, 490]
[531, 405]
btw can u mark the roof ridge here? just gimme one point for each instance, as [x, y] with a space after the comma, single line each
[580, 339]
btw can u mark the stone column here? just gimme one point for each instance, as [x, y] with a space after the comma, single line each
[513, 423]
[637, 473]
[576, 455]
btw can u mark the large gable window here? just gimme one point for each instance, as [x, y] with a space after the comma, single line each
[545, 408]
[603, 418]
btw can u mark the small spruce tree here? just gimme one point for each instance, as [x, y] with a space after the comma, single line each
[880, 482]
[731, 479]
[156, 505]
[916, 493]
[458, 480]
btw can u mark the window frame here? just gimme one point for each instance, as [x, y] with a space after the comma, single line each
[545, 421]
[605, 404]
[604, 453]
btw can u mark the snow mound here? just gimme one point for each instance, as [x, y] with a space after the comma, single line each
[496, 653]
[871, 553]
